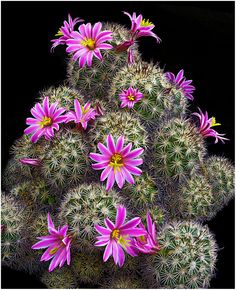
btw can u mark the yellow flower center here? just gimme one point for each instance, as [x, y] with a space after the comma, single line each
[213, 122]
[88, 42]
[116, 161]
[59, 33]
[131, 97]
[124, 241]
[53, 251]
[46, 121]
[146, 22]
[115, 234]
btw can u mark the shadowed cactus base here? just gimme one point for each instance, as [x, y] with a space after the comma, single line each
[187, 257]
[95, 81]
[59, 279]
[178, 150]
[160, 99]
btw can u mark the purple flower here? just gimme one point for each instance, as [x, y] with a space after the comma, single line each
[181, 83]
[88, 42]
[118, 163]
[118, 237]
[81, 115]
[148, 243]
[141, 27]
[30, 161]
[206, 127]
[65, 31]
[58, 246]
[130, 97]
[45, 121]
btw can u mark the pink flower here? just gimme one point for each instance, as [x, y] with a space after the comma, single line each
[45, 121]
[141, 27]
[118, 237]
[118, 163]
[30, 161]
[65, 31]
[206, 127]
[180, 82]
[130, 97]
[88, 42]
[58, 246]
[147, 243]
[81, 115]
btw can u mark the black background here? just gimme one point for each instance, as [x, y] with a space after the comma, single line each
[196, 36]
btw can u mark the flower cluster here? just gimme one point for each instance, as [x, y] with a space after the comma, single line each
[48, 117]
[120, 236]
[117, 237]
[206, 125]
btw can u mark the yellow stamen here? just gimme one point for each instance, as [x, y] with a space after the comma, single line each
[59, 33]
[116, 162]
[53, 251]
[143, 239]
[124, 242]
[88, 42]
[84, 111]
[115, 234]
[46, 121]
[131, 97]
[213, 122]
[146, 22]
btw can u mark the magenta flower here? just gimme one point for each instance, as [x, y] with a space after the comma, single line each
[181, 83]
[141, 27]
[118, 163]
[206, 127]
[81, 115]
[148, 243]
[130, 97]
[58, 245]
[118, 237]
[45, 121]
[30, 161]
[65, 31]
[88, 42]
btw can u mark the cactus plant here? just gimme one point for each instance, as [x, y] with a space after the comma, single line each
[160, 99]
[187, 257]
[116, 124]
[123, 281]
[178, 149]
[86, 205]
[59, 279]
[95, 81]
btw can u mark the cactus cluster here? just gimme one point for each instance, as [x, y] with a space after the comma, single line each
[144, 229]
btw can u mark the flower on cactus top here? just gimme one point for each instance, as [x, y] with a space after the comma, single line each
[118, 237]
[141, 27]
[30, 161]
[181, 82]
[118, 163]
[64, 32]
[58, 245]
[45, 121]
[206, 125]
[81, 115]
[88, 42]
[147, 243]
[130, 97]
